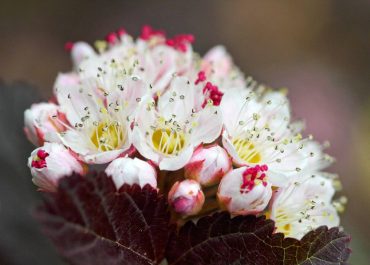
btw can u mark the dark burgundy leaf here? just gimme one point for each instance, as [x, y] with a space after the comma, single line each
[219, 239]
[91, 223]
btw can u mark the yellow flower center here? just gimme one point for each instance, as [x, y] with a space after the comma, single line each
[282, 222]
[108, 136]
[168, 141]
[247, 151]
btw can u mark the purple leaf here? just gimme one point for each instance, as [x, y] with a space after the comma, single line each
[92, 223]
[219, 239]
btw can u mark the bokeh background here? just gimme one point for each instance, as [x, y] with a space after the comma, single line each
[319, 49]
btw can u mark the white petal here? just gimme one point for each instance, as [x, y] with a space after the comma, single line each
[178, 100]
[232, 105]
[219, 59]
[78, 142]
[277, 113]
[231, 150]
[316, 160]
[77, 104]
[142, 146]
[129, 99]
[102, 157]
[278, 179]
[176, 162]
[65, 79]
[209, 126]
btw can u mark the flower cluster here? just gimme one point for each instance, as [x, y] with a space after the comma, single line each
[151, 108]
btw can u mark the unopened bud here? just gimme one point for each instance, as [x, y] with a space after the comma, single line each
[186, 197]
[245, 190]
[208, 165]
[40, 120]
[50, 163]
[130, 171]
[81, 51]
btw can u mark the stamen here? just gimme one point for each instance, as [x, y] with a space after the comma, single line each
[253, 176]
[168, 141]
[121, 32]
[180, 42]
[108, 136]
[212, 94]
[147, 32]
[111, 38]
[247, 151]
[201, 77]
[39, 160]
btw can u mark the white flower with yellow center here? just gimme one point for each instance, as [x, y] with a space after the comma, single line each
[100, 113]
[303, 205]
[258, 131]
[167, 131]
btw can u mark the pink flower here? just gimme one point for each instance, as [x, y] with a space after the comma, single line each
[208, 165]
[130, 171]
[50, 163]
[186, 197]
[245, 190]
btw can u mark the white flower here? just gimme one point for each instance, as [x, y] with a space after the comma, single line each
[245, 190]
[303, 205]
[150, 58]
[258, 131]
[167, 132]
[50, 163]
[218, 67]
[100, 112]
[101, 99]
[131, 171]
[40, 124]
[208, 165]
[186, 197]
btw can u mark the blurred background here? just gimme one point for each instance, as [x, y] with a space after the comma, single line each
[318, 49]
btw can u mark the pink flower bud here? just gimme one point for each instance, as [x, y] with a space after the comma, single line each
[245, 190]
[186, 197]
[81, 51]
[208, 165]
[50, 163]
[42, 120]
[130, 171]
